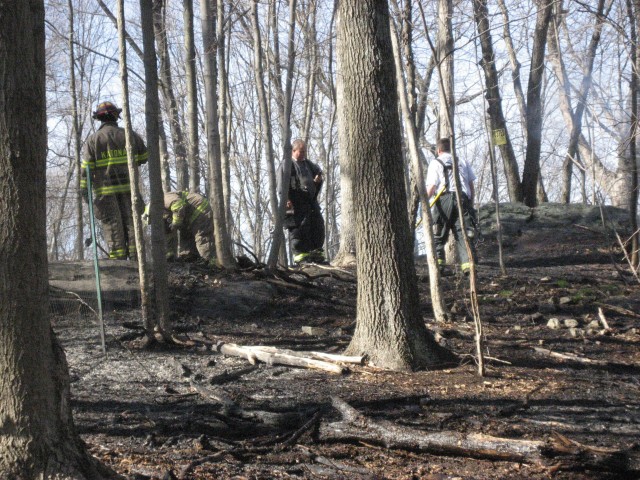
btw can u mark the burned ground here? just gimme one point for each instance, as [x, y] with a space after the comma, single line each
[191, 412]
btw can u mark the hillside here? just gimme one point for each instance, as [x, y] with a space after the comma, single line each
[562, 329]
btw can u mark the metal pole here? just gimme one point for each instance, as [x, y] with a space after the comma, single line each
[95, 260]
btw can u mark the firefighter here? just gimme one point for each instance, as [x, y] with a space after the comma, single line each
[440, 183]
[189, 214]
[105, 154]
[304, 219]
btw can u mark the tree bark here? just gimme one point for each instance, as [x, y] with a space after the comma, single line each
[216, 193]
[193, 154]
[166, 85]
[531, 170]
[285, 131]
[223, 114]
[494, 101]
[158, 246]
[38, 438]
[389, 328]
[444, 49]
[634, 135]
[77, 141]
[437, 298]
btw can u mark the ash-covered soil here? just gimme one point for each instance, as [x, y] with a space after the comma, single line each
[554, 370]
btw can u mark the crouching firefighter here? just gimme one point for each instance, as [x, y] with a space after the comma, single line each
[190, 215]
[441, 186]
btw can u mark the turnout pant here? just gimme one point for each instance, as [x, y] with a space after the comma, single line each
[116, 217]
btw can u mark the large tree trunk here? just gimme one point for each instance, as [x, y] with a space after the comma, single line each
[494, 101]
[38, 436]
[389, 326]
[531, 170]
[193, 155]
[177, 138]
[158, 246]
[223, 241]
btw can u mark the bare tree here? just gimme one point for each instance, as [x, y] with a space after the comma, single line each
[494, 100]
[193, 156]
[216, 197]
[39, 438]
[389, 326]
[166, 84]
[158, 247]
[531, 170]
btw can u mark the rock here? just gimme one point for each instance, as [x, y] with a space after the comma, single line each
[517, 328]
[545, 279]
[594, 324]
[553, 323]
[571, 322]
[576, 332]
[317, 331]
[564, 300]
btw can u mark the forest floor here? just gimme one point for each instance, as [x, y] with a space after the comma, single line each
[194, 413]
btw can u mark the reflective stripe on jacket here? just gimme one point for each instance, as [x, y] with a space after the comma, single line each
[185, 206]
[105, 153]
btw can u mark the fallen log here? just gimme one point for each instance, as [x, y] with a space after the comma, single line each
[328, 357]
[558, 451]
[254, 355]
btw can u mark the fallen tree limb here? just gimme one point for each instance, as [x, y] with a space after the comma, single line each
[254, 355]
[328, 357]
[564, 452]
[576, 358]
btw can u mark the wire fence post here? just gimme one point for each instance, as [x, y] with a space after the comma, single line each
[95, 260]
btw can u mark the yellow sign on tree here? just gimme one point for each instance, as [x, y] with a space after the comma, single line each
[499, 137]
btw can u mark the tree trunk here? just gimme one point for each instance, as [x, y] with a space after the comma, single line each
[285, 129]
[573, 119]
[223, 241]
[444, 49]
[166, 84]
[223, 81]
[77, 141]
[158, 246]
[38, 439]
[437, 298]
[346, 255]
[389, 326]
[515, 68]
[634, 134]
[531, 170]
[494, 101]
[193, 155]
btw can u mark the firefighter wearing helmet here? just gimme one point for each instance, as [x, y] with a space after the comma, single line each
[105, 154]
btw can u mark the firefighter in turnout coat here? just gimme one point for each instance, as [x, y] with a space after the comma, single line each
[189, 214]
[304, 219]
[105, 154]
[440, 183]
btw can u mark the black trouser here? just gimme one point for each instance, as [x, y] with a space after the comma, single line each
[306, 227]
[446, 219]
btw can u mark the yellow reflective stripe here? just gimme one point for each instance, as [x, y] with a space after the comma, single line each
[118, 253]
[465, 266]
[178, 205]
[107, 162]
[83, 183]
[200, 208]
[141, 158]
[112, 189]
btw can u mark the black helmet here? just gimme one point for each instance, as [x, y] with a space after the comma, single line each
[106, 112]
